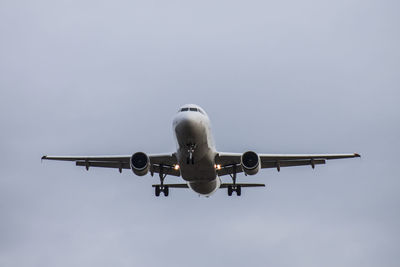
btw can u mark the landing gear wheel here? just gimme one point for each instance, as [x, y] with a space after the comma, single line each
[166, 191]
[157, 189]
[230, 190]
[238, 190]
[192, 160]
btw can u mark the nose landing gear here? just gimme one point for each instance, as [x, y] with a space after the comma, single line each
[190, 158]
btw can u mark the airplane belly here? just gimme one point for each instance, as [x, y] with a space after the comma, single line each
[205, 188]
[203, 168]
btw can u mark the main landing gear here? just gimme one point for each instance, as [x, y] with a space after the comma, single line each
[234, 188]
[161, 188]
[190, 159]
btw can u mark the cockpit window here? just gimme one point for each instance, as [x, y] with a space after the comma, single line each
[192, 109]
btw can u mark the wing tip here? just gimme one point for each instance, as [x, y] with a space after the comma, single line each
[357, 155]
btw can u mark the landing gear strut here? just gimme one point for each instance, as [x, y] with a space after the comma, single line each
[190, 159]
[234, 188]
[161, 188]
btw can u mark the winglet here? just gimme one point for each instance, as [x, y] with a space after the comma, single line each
[357, 155]
[44, 157]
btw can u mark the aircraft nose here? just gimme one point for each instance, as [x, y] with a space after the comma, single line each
[187, 126]
[187, 122]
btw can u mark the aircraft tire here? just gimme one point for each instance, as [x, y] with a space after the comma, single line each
[166, 191]
[230, 190]
[157, 190]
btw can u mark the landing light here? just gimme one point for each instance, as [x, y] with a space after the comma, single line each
[176, 167]
[217, 166]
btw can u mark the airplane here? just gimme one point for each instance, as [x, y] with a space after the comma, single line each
[196, 159]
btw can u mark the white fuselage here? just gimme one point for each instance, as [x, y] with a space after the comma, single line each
[192, 132]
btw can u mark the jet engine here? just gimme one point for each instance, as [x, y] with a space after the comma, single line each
[250, 162]
[140, 163]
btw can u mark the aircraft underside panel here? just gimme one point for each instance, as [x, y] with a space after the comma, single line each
[205, 188]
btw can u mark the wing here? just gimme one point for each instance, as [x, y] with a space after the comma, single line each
[164, 161]
[231, 162]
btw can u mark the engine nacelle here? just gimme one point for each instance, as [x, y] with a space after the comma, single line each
[140, 163]
[250, 162]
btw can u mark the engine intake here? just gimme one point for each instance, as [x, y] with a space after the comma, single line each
[140, 163]
[250, 162]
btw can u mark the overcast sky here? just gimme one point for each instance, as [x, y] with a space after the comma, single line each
[107, 77]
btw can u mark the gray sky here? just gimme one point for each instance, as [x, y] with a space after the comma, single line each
[106, 77]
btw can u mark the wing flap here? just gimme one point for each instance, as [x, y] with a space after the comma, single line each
[290, 163]
[275, 157]
[104, 164]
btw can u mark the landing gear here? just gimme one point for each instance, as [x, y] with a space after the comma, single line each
[166, 191]
[190, 158]
[234, 188]
[230, 190]
[157, 190]
[161, 188]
